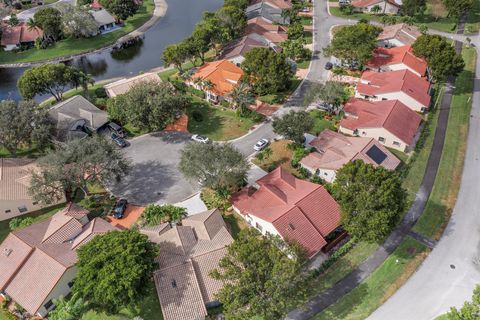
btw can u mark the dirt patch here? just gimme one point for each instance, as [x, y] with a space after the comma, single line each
[180, 125]
[281, 156]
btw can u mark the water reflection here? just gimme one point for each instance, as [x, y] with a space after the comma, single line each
[128, 53]
[95, 67]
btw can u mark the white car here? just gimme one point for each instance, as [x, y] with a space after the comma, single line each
[261, 144]
[199, 138]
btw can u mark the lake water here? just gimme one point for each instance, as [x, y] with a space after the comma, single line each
[178, 23]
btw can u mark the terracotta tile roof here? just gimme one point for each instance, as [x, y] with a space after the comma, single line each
[29, 259]
[223, 74]
[335, 150]
[15, 178]
[367, 3]
[241, 47]
[96, 5]
[285, 200]
[263, 108]
[402, 32]
[189, 252]
[272, 32]
[124, 85]
[398, 55]
[19, 34]
[374, 83]
[392, 115]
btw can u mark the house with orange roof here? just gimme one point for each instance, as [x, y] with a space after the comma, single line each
[13, 37]
[217, 79]
[397, 58]
[264, 31]
[368, 6]
[333, 150]
[38, 261]
[404, 85]
[390, 122]
[294, 209]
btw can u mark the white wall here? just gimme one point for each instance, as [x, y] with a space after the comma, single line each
[389, 43]
[61, 289]
[328, 175]
[386, 8]
[253, 220]
[394, 67]
[237, 60]
[376, 133]
[400, 95]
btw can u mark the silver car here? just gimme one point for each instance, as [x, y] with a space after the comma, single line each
[261, 144]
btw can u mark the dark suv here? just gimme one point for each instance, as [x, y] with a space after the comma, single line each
[120, 208]
[115, 128]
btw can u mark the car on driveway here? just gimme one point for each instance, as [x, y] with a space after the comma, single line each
[199, 138]
[261, 144]
[120, 208]
[122, 143]
[115, 128]
[328, 66]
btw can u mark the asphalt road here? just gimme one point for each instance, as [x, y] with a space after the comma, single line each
[25, 15]
[449, 274]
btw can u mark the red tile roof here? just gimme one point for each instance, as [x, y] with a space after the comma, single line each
[392, 115]
[374, 83]
[96, 5]
[398, 55]
[272, 32]
[18, 34]
[300, 210]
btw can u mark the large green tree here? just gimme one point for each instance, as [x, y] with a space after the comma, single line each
[295, 49]
[216, 166]
[242, 97]
[148, 106]
[260, 280]
[371, 199]
[155, 214]
[293, 125]
[50, 21]
[121, 9]
[77, 22]
[233, 19]
[457, 8]
[414, 7]
[75, 164]
[295, 31]
[443, 60]
[175, 54]
[51, 79]
[469, 310]
[331, 92]
[268, 72]
[23, 123]
[115, 269]
[354, 43]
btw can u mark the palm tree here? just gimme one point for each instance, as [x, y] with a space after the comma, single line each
[376, 8]
[242, 97]
[32, 24]
[207, 85]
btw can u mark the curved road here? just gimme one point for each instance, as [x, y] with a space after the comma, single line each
[449, 274]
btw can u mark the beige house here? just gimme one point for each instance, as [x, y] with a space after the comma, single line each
[124, 85]
[369, 6]
[38, 262]
[15, 175]
[189, 252]
[398, 35]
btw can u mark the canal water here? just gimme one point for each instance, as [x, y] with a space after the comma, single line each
[178, 22]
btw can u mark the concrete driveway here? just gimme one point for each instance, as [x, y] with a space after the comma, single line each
[154, 177]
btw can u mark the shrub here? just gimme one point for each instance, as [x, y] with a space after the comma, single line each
[334, 257]
[19, 223]
[298, 154]
[260, 156]
[316, 179]
[215, 199]
[101, 93]
[197, 116]
[155, 214]
[304, 173]
[271, 167]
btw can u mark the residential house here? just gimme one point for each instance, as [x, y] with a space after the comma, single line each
[398, 35]
[76, 117]
[397, 58]
[124, 85]
[104, 20]
[266, 32]
[235, 51]
[403, 85]
[270, 10]
[189, 252]
[38, 262]
[294, 209]
[390, 122]
[217, 79]
[333, 150]
[368, 6]
[14, 37]
[15, 175]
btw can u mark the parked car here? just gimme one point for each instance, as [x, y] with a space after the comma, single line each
[343, 3]
[122, 143]
[199, 138]
[328, 66]
[120, 208]
[115, 128]
[261, 144]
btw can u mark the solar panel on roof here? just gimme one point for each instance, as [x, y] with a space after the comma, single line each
[376, 154]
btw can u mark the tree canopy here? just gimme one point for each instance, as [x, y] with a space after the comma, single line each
[155, 214]
[268, 72]
[50, 21]
[216, 166]
[77, 22]
[371, 200]
[331, 92]
[443, 60]
[148, 106]
[469, 310]
[75, 164]
[295, 49]
[414, 7]
[259, 278]
[68, 309]
[121, 9]
[51, 79]
[354, 43]
[23, 123]
[293, 125]
[114, 270]
[456, 8]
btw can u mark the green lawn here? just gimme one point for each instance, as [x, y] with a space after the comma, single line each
[22, 152]
[306, 20]
[381, 284]
[444, 193]
[320, 123]
[217, 123]
[69, 46]
[473, 19]
[148, 309]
